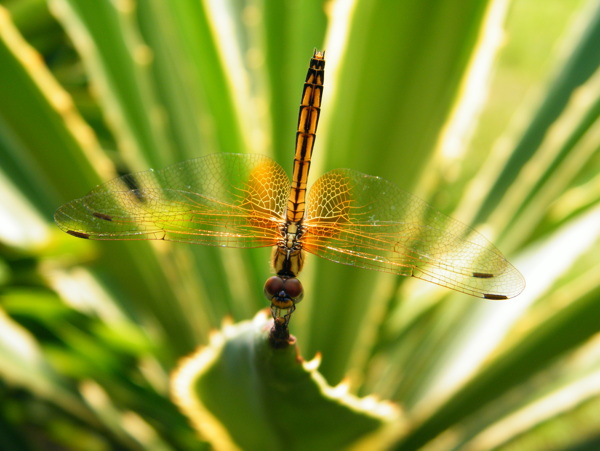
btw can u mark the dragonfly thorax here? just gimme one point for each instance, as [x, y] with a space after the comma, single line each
[288, 256]
[291, 234]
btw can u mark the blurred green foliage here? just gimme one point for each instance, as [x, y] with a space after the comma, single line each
[488, 110]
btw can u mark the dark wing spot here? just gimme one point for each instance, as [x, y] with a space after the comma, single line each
[131, 181]
[78, 234]
[483, 275]
[103, 216]
[134, 186]
[495, 297]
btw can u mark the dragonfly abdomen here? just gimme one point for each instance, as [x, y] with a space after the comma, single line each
[308, 120]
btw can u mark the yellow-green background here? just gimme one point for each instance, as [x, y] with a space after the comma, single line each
[488, 110]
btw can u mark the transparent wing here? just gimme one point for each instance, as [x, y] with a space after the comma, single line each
[231, 200]
[365, 221]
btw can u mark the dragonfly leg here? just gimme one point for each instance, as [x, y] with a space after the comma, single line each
[279, 336]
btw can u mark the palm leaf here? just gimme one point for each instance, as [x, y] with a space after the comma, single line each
[472, 106]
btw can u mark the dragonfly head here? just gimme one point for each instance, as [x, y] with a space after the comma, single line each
[283, 291]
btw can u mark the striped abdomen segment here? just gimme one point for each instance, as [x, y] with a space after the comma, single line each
[308, 119]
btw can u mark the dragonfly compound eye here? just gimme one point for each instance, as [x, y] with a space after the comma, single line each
[293, 288]
[283, 289]
[273, 287]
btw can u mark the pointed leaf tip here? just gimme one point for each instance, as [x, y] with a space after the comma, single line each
[239, 392]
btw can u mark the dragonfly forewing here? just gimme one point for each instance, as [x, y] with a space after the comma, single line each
[368, 222]
[232, 200]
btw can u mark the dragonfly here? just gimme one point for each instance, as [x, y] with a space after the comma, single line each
[248, 201]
